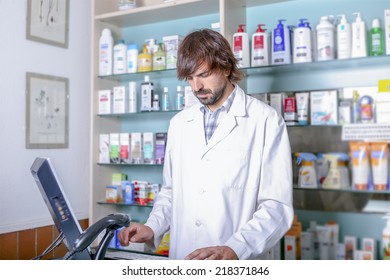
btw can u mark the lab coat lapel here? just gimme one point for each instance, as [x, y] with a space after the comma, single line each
[196, 133]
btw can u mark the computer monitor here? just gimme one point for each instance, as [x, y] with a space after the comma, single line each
[58, 205]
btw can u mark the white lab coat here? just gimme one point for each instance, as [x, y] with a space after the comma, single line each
[235, 191]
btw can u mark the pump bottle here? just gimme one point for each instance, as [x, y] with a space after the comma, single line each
[376, 40]
[281, 47]
[120, 58]
[145, 60]
[307, 177]
[325, 39]
[359, 37]
[259, 47]
[344, 38]
[386, 238]
[241, 47]
[302, 46]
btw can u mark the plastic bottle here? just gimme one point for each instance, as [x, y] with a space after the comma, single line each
[106, 44]
[325, 39]
[165, 104]
[343, 160]
[307, 177]
[132, 58]
[147, 94]
[145, 60]
[386, 238]
[333, 179]
[281, 49]
[376, 45]
[132, 97]
[355, 107]
[359, 37]
[159, 58]
[179, 98]
[344, 38]
[259, 47]
[156, 102]
[366, 109]
[241, 47]
[120, 58]
[302, 46]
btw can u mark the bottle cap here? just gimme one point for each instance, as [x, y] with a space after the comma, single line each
[343, 19]
[165, 89]
[240, 28]
[146, 78]
[302, 22]
[280, 24]
[260, 28]
[358, 17]
[376, 23]
[179, 88]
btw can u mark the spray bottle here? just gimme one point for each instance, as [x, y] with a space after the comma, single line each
[333, 179]
[307, 177]
[386, 238]
[343, 165]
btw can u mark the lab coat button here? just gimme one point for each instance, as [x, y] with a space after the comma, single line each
[198, 223]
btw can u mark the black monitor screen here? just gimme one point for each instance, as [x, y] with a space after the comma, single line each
[57, 203]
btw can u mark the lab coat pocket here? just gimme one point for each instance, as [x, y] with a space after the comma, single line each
[236, 166]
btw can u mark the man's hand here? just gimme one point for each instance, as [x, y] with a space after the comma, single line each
[135, 233]
[213, 253]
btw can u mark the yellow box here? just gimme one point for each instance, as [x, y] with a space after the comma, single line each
[384, 86]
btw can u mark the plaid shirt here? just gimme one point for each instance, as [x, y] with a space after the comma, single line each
[213, 119]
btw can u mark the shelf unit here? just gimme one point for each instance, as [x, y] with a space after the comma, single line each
[154, 18]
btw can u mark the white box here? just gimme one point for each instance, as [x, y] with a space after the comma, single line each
[104, 148]
[171, 44]
[120, 100]
[276, 102]
[124, 147]
[136, 147]
[290, 247]
[307, 245]
[114, 147]
[105, 102]
[324, 107]
[148, 147]
[387, 30]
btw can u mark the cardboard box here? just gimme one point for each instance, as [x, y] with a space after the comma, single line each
[120, 102]
[104, 148]
[324, 107]
[105, 102]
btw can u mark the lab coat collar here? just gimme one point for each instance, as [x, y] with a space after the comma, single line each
[227, 125]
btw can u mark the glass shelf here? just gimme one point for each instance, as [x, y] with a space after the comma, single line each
[131, 164]
[138, 114]
[167, 73]
[149, 205]
[341, 200]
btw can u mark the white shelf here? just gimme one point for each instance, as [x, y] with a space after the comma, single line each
[159, 12]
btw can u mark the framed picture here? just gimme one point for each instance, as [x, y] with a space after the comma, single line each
[47, 108]
[47, 22]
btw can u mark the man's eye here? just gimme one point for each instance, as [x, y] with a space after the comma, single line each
[188, 78]
[205, 75]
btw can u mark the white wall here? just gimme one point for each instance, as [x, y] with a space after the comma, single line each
[21, 205]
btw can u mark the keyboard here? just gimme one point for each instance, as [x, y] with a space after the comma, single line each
[131, 255]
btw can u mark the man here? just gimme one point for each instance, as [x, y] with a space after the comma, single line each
[227, 190]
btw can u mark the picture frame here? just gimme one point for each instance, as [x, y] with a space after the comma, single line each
[47, 111]
[48, 22]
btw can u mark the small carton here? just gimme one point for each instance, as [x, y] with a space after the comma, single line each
[160, 145]
[148, 147]
[105, 102]
[120, 102]
[114, 148]
[124, 147]
[136, 148]
[104, 148]
[387, 30]
[324, 107]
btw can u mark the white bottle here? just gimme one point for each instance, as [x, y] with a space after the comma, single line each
[132, 58]
[325, 39]
[120, 58]
[386, 238]
[165, 104]
[179, 98]
[281, 46]
[259, 47]
[241, 47]
[156, 102]
[302, 46]
[359, 37]
[132, 97]
[146, 94]
[344, 39]
[106, 43]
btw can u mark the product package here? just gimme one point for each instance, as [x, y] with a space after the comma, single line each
[104, 148]
[148, 147]
[324, 107]
[136, 148]
[113, 194]
[124, 147]
[161, 142]
[359, 153]
[120, 101]
[114, 148]
[105, 102]
[379, 158]
[387, 31]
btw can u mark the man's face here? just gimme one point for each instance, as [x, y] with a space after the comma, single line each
[209, 87]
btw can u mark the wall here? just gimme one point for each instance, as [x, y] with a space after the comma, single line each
[21, 205]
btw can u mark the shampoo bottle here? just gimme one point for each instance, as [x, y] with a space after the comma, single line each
[302, 46]
[241, 47]
[344, 39]
[145, 58]
[386, 238]
[106, 44]
[325, 39]
[281, 49]
[159, 58]
[359, 37]
[259, 47]
[307, 177]
[120, 58]
[376, 41]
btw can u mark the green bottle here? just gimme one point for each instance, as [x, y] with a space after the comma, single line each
[159, 58]
[376, 40]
